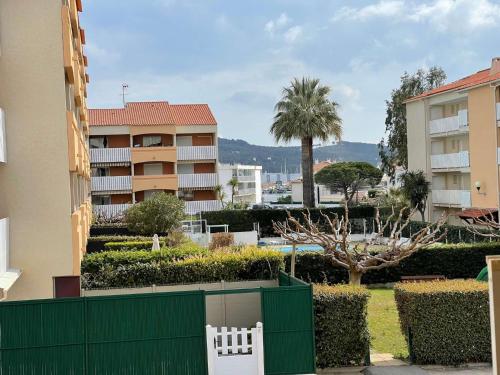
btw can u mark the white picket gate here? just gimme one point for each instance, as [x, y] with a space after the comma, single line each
[235, 351]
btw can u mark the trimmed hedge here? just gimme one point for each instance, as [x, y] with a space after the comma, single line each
[242, 220]
[448, 321]
[342, 337]
[143, 268]
[454, 261]
[96, 243]
[130, 245]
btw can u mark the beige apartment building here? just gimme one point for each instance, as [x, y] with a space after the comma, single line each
[44, 161]
[454, 137]
[146, 147]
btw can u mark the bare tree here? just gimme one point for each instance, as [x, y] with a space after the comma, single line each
[485, 225]
[359, 257]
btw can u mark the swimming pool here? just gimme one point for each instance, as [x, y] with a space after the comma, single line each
[288, 248]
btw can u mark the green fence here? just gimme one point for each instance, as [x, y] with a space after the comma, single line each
[161, 333]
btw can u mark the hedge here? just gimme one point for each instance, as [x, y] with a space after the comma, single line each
[143, 268]
[96, 243]
[342, 337]
[454, 261]
[130, 245]
[242, 220]
[447, 322]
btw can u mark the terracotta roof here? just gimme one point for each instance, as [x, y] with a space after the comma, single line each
[319, 166]
[153, 113]
[476, 79]
[474, 213]
[192, 114]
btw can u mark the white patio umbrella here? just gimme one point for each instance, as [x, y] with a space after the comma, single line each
[156, 242]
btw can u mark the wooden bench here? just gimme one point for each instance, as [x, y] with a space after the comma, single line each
[423, 278]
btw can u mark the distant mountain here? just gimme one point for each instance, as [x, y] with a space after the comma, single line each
[274, 158]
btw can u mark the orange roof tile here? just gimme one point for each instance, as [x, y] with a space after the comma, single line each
[476, 79]
[192, 114]
[153, 113]
[319, 166]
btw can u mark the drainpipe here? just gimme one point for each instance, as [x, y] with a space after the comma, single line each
[494, 86]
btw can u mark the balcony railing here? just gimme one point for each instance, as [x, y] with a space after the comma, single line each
[197, 180]
[110, 210]
[450, 124]
[460, 198]
[449, 161]
[110, 155]
[111, 184]
[194, 207]
[196, 152]
[245, 178]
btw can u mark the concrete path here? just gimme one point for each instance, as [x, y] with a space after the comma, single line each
[416, 370]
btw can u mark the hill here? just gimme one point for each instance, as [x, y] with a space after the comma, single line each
[274, 158]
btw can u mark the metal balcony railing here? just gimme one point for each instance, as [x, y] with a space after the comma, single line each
[450, 124]
[197, 180]
[196, 152]
[453, 160]
[110, 155]
[194, 207]
[110, 210]
[460, 198]
[111, 184]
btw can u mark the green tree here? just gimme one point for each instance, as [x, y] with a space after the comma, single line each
[220, 194]
[349, 177]
[415, 188]
[393, 152]
[160, 213]
[305, 112]
[233, 183]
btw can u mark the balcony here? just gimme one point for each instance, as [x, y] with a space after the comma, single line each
[450, 124]
[3, 140]
[112, 184]
[458, 198]
[450, 161]
[156, 182]
[245, 178]
[117, 156]
[195, 207]
[110, 210]
[197, 180]
[149, 154]
[196, 153]
[8, 276]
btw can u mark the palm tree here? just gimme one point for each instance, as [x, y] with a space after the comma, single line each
[305, 112]
[415, 188]
[219, 194]
[233, 182]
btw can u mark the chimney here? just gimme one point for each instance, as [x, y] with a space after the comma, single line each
[495, 66]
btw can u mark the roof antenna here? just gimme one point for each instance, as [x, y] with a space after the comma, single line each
[124, 88]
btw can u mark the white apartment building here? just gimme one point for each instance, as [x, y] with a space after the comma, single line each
[249, 178]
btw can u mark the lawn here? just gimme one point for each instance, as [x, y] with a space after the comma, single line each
[383, 323]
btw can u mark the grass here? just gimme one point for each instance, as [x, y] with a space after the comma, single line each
[383, 323]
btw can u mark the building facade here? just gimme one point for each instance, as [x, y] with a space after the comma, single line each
[44, 160]
[454, 137]
[147, 147]
[249, 178]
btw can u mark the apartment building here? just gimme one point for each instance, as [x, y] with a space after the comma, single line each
[146, 147]
[454, 136]
[44, 161]
[249, 189]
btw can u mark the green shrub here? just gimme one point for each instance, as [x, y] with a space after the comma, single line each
[130, 245]
[454, 261]
[448, 321]
[220, 240]
[142, 268]
[342, 337]
[96, 243]
[160, 213]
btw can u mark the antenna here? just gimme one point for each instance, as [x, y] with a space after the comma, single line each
[124, 88]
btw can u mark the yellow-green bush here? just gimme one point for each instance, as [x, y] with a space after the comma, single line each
[446, 322]
[142, 268]
[342, 337]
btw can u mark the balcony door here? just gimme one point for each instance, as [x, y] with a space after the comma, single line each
[184, 140]
[153, 169]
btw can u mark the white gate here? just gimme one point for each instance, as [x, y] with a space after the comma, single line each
[238, 351]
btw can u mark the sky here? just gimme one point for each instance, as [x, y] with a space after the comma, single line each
[237, 55]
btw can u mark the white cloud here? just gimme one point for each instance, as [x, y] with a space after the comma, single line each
[455, 15]
[101, 55]
[277, 24]
[293, 33]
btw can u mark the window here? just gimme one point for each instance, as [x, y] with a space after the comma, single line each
[101, 199]
[185, 168]
[98, 142]
[186, 195]
[151, 141]
[153, 169]
[149, 193]
[456, 179]
[99, 172]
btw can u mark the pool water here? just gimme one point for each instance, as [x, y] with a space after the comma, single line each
[288, 248]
